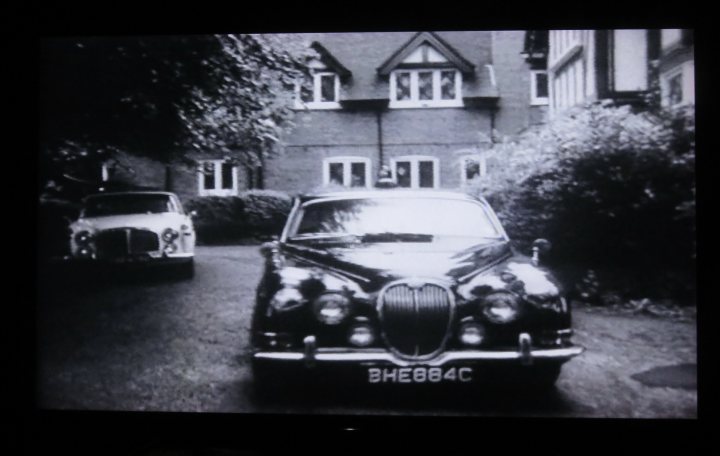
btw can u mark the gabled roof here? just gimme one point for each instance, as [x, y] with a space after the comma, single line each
[328, 59]
[363, 52]
[433, 40]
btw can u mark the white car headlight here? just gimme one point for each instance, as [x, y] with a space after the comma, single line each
[501, 307]
[331, 308]
[169, 235]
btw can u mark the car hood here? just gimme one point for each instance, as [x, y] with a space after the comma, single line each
[154, 222]
[447, 260]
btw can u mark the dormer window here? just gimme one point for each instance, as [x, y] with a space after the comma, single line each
[425, 88]
[325, 92]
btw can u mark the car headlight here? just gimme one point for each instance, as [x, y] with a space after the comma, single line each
[169, 235]
[331, 308]
[501, 307]
[83, 237]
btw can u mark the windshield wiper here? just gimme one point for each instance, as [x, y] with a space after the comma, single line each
[330, 237]
[397, 237]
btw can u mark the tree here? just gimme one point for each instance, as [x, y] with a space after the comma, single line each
[242, 117]
[142, 95]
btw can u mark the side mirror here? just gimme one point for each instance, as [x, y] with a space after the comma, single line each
[540, 247]
[192, 214]
[267, 248]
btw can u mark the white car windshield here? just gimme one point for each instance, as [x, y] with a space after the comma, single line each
[99, 206]
[379, 218]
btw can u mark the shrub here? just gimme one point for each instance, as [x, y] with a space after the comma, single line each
[236, 218]
[613, 189]
[219, 219]
[266, 211]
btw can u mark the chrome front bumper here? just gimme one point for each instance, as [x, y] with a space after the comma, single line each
[312, 355]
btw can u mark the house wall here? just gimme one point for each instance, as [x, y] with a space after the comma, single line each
[439, 132]
[512, 74]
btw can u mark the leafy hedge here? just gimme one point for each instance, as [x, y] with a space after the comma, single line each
[230, 219]
[614, 190]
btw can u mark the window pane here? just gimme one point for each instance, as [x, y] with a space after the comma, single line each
[227, 175]
[357, 174]
[425, 86]
[336, 173]
[327, 87]
[402, 172]
[541, 85]
[447, 85]
[208, 175]
[675, 89]
[402, 86]
[472, 169]
[427, 176]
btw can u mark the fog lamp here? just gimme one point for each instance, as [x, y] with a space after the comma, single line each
[331, 308]
[472, 334]
[169, 235]
[361, 335]
[83, 237]
[501, 307]
[85, 252]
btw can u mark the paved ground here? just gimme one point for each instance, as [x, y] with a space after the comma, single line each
[151, 342]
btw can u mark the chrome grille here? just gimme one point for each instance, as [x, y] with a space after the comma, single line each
[415, 319]
[126, 241]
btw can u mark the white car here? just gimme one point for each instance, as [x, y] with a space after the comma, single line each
[134, 227]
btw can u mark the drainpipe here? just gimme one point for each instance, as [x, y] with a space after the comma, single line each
[378, 117]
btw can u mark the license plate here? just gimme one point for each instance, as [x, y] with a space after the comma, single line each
[419, 374]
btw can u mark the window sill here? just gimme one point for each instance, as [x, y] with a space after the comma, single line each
[317, 106]
[429, 104]
[540, 102]
[228, 192]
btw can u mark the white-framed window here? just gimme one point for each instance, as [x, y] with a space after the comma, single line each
[347, 171]
[539, 87]
[217, 178]
[416, 171]
[325, 92]
[472, 167]
[678, 85]
[425, 88]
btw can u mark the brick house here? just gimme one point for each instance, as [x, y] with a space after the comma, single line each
[424, 104]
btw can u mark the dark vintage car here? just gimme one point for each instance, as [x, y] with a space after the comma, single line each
[397, 286]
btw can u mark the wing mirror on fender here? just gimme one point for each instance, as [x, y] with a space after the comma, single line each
[267, 248]
[540, 247]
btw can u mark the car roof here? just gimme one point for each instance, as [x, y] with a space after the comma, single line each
[389, 193]
[130, 193]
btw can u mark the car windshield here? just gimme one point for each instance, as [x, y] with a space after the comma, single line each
[393, 220]
[99, 206]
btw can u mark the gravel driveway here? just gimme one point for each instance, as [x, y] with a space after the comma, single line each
[147, 341]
